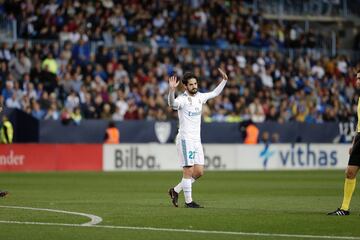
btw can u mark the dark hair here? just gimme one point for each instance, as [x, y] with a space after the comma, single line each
[187, 76]
[111, 124]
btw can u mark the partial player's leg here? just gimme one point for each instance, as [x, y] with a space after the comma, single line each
[186, 154]
[349, 188]
[174, 192]
[174, 197]
[350, 180]
[187, 187]
[186, 183]
[198, 170]
[178, 188]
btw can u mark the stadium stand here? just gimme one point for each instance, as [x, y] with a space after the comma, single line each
[112, 60]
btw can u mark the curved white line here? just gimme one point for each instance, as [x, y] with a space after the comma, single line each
[278, 235]
[94, 219]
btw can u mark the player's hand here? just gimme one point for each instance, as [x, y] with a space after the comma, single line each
[223, 74]
[350, 150]
[173, 82]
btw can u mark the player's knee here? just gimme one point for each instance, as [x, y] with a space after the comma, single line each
[188, 172]
[350, 173]
[198, 174]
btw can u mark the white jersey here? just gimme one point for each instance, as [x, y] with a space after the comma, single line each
[190, 109]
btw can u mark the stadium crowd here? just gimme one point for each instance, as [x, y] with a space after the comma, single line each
[139, 47]
[216, 23]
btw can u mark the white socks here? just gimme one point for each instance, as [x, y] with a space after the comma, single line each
[186, 186]
[178, 188]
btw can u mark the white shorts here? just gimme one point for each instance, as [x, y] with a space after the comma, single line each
[190, 152]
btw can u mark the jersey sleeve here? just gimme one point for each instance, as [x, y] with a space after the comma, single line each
[179, 103]
[213, 93]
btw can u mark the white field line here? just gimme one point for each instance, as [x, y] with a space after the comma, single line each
[186, 230]
[94, 219]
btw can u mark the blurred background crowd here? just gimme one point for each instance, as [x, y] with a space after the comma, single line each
[109, 60]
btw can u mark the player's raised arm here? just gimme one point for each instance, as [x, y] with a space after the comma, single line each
[219, 88]
[173, 83]
[223, 74]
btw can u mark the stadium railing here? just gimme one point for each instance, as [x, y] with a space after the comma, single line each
[319, 9]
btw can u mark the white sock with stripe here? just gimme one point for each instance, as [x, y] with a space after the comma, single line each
[178, 188]
[186, 186]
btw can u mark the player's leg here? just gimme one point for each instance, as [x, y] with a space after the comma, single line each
[198, 169]
[189, 152]
[178, 188]
[187, 187]
[351, 172]
[350, 180]
[186, 183]
[197, 174]
[174, 192]
[199, 161]
[185, 151]
[349, 186]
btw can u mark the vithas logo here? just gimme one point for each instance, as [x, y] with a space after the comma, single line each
[11, 159]
[130, 158]
[305, 157]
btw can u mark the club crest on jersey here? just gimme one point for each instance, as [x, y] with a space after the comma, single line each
[190, 101]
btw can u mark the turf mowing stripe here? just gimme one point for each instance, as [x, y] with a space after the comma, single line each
[94, 219]
[186, 230]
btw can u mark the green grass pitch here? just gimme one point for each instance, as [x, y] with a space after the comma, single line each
[293, 203]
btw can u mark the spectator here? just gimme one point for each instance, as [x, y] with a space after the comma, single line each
[112, 134]
[72, 101]
[257, 111]
[275, 138]
[106, 112]
[37, 112]
[52, 113]
[20, 65]
[13, 102]
[49, 72]
[261, 80]
[65, 117]
[252, 133]
[76, 116]
[7, 92]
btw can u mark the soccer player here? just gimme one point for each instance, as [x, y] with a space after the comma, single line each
[353, 165]
[6, 131]
[2, 193]
[188, 142]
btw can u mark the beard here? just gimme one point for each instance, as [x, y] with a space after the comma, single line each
[193, 91]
